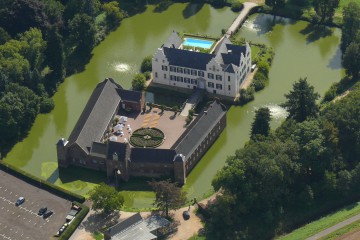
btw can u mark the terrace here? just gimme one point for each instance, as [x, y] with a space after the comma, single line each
[125, 124]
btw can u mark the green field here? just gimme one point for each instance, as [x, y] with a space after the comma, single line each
[342, 231]
[323, 223]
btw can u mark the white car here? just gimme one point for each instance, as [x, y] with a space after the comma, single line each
[20, 201]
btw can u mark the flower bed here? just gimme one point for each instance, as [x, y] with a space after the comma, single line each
[147, 137]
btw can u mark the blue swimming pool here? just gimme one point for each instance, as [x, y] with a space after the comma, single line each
[193, 42]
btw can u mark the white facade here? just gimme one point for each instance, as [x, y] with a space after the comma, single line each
[221, 72]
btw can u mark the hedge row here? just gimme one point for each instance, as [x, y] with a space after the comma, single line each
[76, 222]
[41, 183]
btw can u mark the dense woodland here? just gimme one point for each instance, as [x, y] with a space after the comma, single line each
[308, 166]
[41, 41]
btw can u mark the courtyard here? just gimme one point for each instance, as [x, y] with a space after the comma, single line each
[170, 124]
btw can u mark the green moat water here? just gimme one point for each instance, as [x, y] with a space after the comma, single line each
[301, 51]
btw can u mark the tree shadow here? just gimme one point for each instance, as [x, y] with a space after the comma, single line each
[135, 184]
[162, 6]
[192, 9]
[73, 173]
[335, 61]
[315, 32]
[267, 23]
[98, 221]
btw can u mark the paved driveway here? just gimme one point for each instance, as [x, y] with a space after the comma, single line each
[22, 222]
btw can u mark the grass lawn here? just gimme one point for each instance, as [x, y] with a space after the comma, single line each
[197, 237]
[342, 231]
[323, 223]
[98, 236]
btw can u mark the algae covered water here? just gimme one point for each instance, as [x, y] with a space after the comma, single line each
[300, 52]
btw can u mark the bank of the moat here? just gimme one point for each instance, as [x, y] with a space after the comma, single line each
[300, 51]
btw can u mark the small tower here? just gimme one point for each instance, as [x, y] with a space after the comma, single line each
[179, 169]
[61, 150]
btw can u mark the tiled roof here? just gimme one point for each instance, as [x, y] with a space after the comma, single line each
[129, 95]
[154, 155]
[96, 115]
[186, 58]
[200, 128]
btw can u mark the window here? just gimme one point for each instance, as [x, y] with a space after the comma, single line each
[172, 77]
[201, 73]
[229, 88]
[187, 80]
[218, 77]
[164, 68]
[210, 75]
[94, 161]
[218, 86]
[156, 59]
[172, 69]
[228, 78]
[156, 74]
[180, 70]
[179, 79]
[210, 84]
[186, 71]
[165, 76]
[194, 72]
[193, 81]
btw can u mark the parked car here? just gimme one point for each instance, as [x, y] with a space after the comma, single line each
[42, 211]
[48, 213]
[20, 201]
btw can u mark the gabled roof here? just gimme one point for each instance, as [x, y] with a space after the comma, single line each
[186, 58]
[129, 95]
[96, 115]
[154, 155]
[174, 41]
[200, 128]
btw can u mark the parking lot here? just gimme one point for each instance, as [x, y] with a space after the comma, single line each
[23, 222]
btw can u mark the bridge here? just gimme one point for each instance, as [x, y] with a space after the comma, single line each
[240, 18]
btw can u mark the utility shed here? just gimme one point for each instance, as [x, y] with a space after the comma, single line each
[136, 228]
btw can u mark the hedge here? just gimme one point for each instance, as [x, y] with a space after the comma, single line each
[76, 222]
[41, 183]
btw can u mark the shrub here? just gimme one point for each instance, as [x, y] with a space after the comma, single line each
[246, 95]
[330, 94]
[47, 105]
[146, 65]
[147, 75]
[138, 82]
[258, 84]
[76, 222]
[237, 6]
[189, 119]
[263, 67]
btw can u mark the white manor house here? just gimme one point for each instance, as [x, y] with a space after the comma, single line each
[221, 71]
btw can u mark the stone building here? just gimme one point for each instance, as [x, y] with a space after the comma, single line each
[219, 72]
[86, 146]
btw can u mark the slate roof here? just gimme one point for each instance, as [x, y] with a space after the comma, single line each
[200, 128]
[98, 149]
[129, 95]
[118, 148]
[124, 224]
[188, 59]
[96, 115]
[174, 41]
[154, 155]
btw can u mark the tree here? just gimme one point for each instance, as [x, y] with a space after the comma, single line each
[146, 64]
[261, 123]
[275, 4]
[105, 198]
[351, 24]
[301, 101]
[4, 36]
[168, 195]
[138, 82]
[113, 14]
[351, 59]
[325, 9]
[82, 33]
